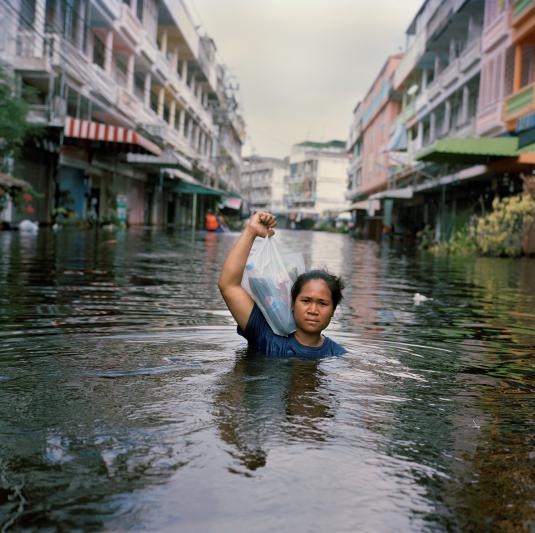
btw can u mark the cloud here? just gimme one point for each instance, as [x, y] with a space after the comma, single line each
[303, 65]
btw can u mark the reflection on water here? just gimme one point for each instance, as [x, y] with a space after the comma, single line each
[128, 400]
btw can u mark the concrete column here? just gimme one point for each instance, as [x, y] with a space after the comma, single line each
[108, 53]
[517, 81]
[447, 117]
[471, 29]
[147, 90]
[424, 78]
[189, 132]
[184, 73]
[172, 113]
[432, 127]
[420, 136]
[39, 27]
[133, 7]
[452, 50]
[174, 61]
[130, 74]
[181, 122]
[161, 101]
[466, 97]
[90, 45]
[163, 43]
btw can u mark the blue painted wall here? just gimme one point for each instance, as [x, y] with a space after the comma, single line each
[72, 180]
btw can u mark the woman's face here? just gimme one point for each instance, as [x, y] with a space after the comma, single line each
[313, 307]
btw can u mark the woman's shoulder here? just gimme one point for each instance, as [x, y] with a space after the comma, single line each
[333, 347]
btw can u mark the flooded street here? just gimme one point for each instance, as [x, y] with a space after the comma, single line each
[128, 401]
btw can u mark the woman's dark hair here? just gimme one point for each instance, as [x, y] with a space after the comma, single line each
[335, 284]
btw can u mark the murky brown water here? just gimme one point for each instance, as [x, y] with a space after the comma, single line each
[127, 400]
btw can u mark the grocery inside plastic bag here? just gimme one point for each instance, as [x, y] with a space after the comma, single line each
[268, 277]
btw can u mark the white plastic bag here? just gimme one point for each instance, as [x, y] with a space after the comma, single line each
[268, 278]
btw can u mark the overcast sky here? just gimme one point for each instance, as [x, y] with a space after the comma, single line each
[302, 65]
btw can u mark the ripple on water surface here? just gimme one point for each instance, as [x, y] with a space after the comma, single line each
[129, 401]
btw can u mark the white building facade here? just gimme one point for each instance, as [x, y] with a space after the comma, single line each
[262, 183]
[316, 182]
[133, 102]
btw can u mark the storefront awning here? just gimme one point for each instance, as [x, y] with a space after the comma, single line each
[183, 187]
[86, 129]
[183, 183]
[404, 193]
[232, 202]
[469, 150]
[166, 159]
[365, 205]
[10, 181]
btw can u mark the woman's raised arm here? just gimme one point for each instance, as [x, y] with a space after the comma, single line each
[238, 301]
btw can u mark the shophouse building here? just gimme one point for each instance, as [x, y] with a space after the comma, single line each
[439, 165]
[139, 121]
[369, 166]
[316, 182]
[519, 106]
[497, 63]
[262, 183]
[450, 152]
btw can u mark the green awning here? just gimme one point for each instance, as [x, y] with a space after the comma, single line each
[184, 187]
[527, 148]
[469, 150]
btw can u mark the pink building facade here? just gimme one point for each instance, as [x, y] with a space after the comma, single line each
[497, 64]
[379, 112]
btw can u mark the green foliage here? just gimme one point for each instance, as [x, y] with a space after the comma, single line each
[462, 242]
[14, 129]
[331, 227]
[498, 233]
[425, 237]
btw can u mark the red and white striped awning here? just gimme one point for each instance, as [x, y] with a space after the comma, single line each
[86, 129]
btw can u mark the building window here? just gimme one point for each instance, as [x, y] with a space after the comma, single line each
[98, 52]
[27, 14]
[139, 10]
[528, 53]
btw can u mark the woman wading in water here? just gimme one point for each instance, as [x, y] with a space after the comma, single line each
[315, 295]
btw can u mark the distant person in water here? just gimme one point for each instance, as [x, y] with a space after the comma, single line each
[211, 223]
[315, 295]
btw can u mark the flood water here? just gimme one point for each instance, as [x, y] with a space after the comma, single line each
[128, 401]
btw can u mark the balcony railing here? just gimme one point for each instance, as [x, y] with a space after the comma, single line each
[38, 114]
[127, 102]
[471, 54]
[129, 24]
[519, 103]
[102, 83]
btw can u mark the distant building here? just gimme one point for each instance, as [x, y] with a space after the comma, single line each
[497, 64]
[449, 125]
[519, 107]
[316, 180]
[369, 164]
[262, 183]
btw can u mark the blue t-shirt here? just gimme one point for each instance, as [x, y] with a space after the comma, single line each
[263, 340]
